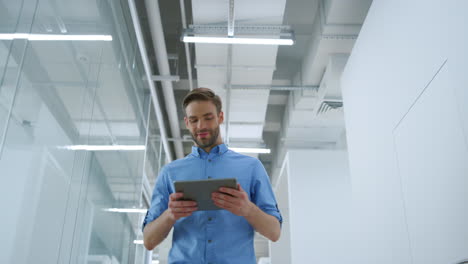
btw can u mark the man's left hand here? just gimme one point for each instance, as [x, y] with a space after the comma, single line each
[235, 201]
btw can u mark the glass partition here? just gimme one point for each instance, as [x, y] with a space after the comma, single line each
[64, 198]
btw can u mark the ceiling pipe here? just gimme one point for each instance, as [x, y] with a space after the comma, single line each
[146, 65]
[227, 112]
[186, 45]
[159, 44]
[230, 24]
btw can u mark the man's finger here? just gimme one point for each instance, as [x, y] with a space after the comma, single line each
[184, 209]
[223, 205]
[224, 199]
[176, 196]
[231, 191]
[182, 203]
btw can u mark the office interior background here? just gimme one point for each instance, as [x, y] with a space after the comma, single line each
[365, 117]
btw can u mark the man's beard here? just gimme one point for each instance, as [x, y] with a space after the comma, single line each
[211, 141]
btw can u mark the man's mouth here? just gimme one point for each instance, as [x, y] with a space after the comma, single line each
[203, 134]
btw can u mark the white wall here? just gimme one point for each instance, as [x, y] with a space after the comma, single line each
[319, 206]
[280, 251]
[405, 93]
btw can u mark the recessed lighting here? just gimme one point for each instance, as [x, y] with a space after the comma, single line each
[57, 37]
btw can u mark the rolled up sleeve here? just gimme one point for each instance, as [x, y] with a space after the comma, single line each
[159, 199]
[262, 192]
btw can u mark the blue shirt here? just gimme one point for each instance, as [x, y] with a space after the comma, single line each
[214, 236]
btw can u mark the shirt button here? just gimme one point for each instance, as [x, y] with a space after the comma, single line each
[209, 160]
[209, 218]
[209, 241]
[209, 177]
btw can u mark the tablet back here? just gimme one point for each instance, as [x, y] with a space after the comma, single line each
[201, 190]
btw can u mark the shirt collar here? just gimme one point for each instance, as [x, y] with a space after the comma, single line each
[219, 149]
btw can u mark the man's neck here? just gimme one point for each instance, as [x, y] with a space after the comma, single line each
[208, 149]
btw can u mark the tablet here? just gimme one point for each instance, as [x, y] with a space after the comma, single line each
[201, 190]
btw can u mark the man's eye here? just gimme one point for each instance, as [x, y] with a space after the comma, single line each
[208, 118]
[193, 121]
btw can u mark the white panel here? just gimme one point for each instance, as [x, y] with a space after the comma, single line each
[47, 229]
[319, 195]
[399, 59]
[12, 190]
[458, 60]
[397, 53]
[280, 251]
[433, 166]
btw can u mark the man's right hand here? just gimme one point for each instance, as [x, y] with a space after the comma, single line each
[178, 209]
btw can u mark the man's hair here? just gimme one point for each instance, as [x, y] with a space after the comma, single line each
[202, 94]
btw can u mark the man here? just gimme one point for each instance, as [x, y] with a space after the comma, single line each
[220, 236]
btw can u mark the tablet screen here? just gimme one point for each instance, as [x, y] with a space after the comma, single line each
[201, 190]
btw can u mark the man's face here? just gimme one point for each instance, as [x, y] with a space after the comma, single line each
[203, 122]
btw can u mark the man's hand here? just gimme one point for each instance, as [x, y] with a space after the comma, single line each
[179, 209]
[238, 204]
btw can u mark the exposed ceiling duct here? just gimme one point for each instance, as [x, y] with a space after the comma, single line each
[251, 64]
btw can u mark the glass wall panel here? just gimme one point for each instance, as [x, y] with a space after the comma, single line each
[60, 101]
[10, 58]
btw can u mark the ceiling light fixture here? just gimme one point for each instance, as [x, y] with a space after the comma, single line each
[251, 150]
[104, 147]
[138, 242]
[238, 40]
[245, 34]
[126, 210]
[57, 37]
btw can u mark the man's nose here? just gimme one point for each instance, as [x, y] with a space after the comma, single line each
[201, 124]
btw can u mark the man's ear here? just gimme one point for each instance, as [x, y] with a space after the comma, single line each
[221, 117]
[186, 122]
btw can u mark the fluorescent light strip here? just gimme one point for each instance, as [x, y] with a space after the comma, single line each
[138, 242]
[226, 40]
[104, 147]
[42, 37]
[126, 210]
[251, 150]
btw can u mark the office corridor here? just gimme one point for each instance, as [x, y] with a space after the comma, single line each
[356, 109]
